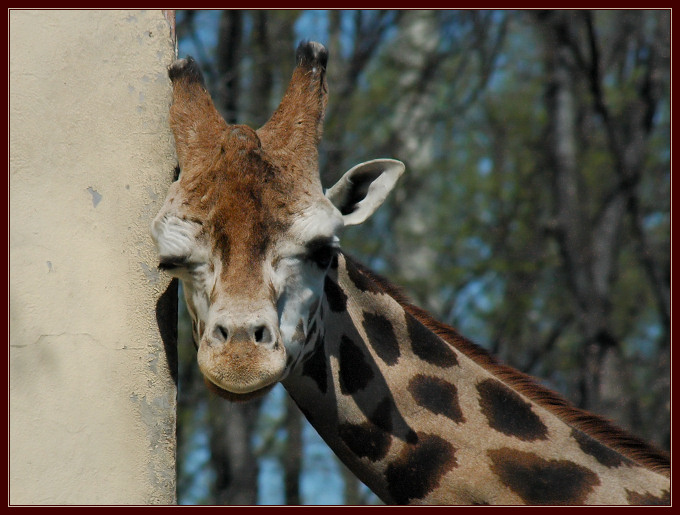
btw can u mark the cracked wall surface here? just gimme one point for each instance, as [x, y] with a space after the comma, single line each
[92, 395]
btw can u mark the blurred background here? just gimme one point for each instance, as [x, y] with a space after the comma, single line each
[534, 215]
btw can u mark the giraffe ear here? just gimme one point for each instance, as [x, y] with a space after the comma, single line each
[364, 188]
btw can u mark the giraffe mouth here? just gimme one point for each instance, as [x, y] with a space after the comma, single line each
[236, 397]
[241, 370]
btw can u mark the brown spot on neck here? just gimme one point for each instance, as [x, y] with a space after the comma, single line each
[436, 395]
[646, 499]
[539, 481]
[381, 337]
[419, 468]
[355, 372]
[365, 440]
[602, 453]
[508, 413]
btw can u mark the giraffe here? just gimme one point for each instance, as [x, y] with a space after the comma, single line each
[417, 412]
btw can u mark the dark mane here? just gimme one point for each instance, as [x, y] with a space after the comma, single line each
[595, 426]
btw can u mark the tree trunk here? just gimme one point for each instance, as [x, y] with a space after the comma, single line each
[353, 495]
[228, 57]
[292, 459]
[232, 457]
[588, 245]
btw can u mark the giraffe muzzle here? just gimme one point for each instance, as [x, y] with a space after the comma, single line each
[242, 359]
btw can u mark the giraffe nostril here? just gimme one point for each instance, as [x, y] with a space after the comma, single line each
[221, 333]
[262, 334]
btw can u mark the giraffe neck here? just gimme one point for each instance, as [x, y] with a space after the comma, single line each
[420, 415]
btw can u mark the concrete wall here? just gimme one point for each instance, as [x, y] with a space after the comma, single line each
[92, 395]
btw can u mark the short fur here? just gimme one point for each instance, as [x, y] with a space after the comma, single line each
[599, 428]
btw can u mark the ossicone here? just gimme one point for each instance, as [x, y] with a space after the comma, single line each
[311, 54]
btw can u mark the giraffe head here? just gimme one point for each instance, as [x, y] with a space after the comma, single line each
[248, 228]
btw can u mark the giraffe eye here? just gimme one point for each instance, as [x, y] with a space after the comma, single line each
[172, 263]
[321, 253]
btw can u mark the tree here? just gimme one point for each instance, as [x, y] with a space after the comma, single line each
[589, 224]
